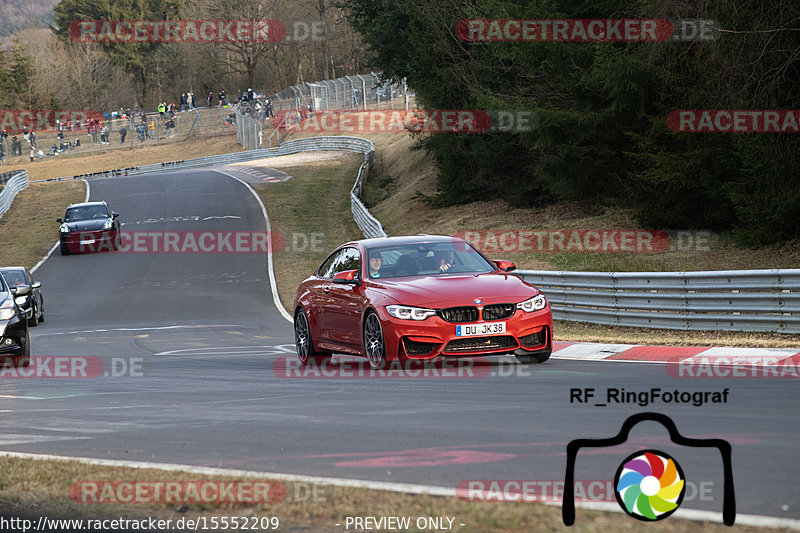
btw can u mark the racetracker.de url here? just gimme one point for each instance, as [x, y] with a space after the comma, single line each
[201, 523]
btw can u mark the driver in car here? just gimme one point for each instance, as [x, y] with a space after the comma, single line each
[445, 260]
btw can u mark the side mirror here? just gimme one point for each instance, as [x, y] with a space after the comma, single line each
[59, 221]
[349, 277]
[114, 215]
[36, 284]
[504, 265]
[22, 290]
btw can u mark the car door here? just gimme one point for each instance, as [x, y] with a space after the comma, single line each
[318, 311]
[345, 301]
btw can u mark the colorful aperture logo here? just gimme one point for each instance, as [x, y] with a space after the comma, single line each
[649, 485]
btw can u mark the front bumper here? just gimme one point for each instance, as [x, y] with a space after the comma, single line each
[13, 336]
[526, 333]
[78, 242]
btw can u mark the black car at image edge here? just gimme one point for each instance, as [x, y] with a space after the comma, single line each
[32, 304]
[14, 337]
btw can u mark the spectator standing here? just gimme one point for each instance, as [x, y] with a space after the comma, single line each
[210, 99]
[123, 132]
[183, 102]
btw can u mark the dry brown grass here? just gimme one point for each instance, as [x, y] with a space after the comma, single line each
[58, 167]
[42, 488]
[313, 204]
[29, 228]
[401, 174]
[583, 332]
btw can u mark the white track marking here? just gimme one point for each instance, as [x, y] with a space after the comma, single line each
[591, 351]
[406, 488]
[53, 249]
[270, 269]
[151, 328]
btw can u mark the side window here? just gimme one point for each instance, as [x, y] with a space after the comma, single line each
[350, 259]
[326, 270]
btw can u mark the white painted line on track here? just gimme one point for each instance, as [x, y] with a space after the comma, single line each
[406, 488]
[270, 270]
[591, 351]
[145, 328]
[53, 249]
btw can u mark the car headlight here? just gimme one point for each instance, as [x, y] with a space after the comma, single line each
[406, 312]
[7, 311]
[64, 228]
[536, 303]
[109, 224]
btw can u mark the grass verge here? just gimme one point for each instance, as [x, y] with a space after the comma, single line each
[42, 488]
[54, 167]
[29, 228]
[312, 212]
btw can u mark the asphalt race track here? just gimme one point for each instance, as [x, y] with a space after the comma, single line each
[203, 333]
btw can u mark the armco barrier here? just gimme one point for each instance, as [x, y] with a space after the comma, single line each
[11, 183]
[368, 224]
[733, 300]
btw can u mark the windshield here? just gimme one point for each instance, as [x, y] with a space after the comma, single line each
[424, 259]
[86, 212]
[14, 278]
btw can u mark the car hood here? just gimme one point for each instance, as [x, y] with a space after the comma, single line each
[456, 289]
[93, 224]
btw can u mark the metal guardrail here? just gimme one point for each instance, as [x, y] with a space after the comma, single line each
[369, 225]
[732, 300]
[12, 183]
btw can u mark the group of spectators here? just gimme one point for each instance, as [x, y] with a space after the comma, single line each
[145, 127]
[15, 144]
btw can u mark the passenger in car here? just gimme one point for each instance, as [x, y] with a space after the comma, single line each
[375, 263]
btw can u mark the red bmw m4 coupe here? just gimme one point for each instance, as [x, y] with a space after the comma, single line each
[419, 297]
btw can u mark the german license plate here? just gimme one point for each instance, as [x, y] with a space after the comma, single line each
[477, 330]
[87, 241]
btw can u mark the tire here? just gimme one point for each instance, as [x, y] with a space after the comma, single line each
[34, 321]
[23, 359]
[41, 316]
[304, 343]
[65, 250]
[374, 346]
[535, 358]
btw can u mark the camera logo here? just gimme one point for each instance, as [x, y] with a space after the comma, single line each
[649, 485]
